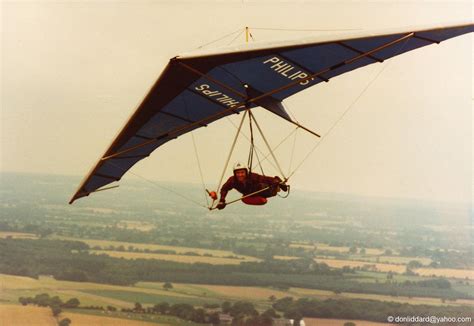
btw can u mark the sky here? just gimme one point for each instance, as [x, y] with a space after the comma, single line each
[72, 73]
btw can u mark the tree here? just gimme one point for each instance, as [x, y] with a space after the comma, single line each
[72, 303]
[270, 313]
[56, 310]
[283, 304]
[347, 269]
[408, 271]
[162, 308]
[23, 301]
[214, 318]
[243, 308]
[199, 316]
[111, 308]
[138, 307]
[294, 314]
[182, 310]
[414, 264]
[64, 322]
[226, 306]
[167, 286]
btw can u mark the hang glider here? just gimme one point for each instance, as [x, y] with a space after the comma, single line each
[197, 89]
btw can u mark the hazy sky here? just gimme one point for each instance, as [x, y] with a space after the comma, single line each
[74, 71]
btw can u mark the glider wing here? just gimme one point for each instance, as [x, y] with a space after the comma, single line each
[197, 89]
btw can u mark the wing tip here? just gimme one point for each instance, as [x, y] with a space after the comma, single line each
[77, 195]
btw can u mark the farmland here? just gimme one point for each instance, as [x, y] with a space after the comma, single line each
[80, 319]
[17, 235]
[153, 292]
[89, 293]
[41, 316]
[310, 247]
[25, 316]
[177, 258]
[105, 244]
[336, 263]
[446, 272]
[338, 249]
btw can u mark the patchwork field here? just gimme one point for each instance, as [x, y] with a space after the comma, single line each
[446, 272]
[258, 294]
[17, 235]
[326, 247]
[94, 210]
[26, 316]
[339, 263]
[149, 293]
[395, 259]
[131, 296]
[88, 320]
[242, 292]
[176, 258]
[383, 267]
[321, 294]
[16, 315]
[286, 257]
[14, 287]
[135, 225]
[142, 246]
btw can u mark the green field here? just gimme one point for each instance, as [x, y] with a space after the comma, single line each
[149, 298]
[196, 294]
[176, 258]
[104, 244]
[391, 259]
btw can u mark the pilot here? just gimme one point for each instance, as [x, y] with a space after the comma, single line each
[247, 183]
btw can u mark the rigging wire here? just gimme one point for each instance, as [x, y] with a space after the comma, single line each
[347, 110]
[218, 39]
[250, 158]
[259, 150]
[278, 145]
[231, 150]
[290, 112]
[305, 30]
[158, 186]
[248, 139]
[292, 151]
[240, 31]
[196, 153]
[252, 147]
[200, 169]
[270, 149]
[259, 163]
[236, 37]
